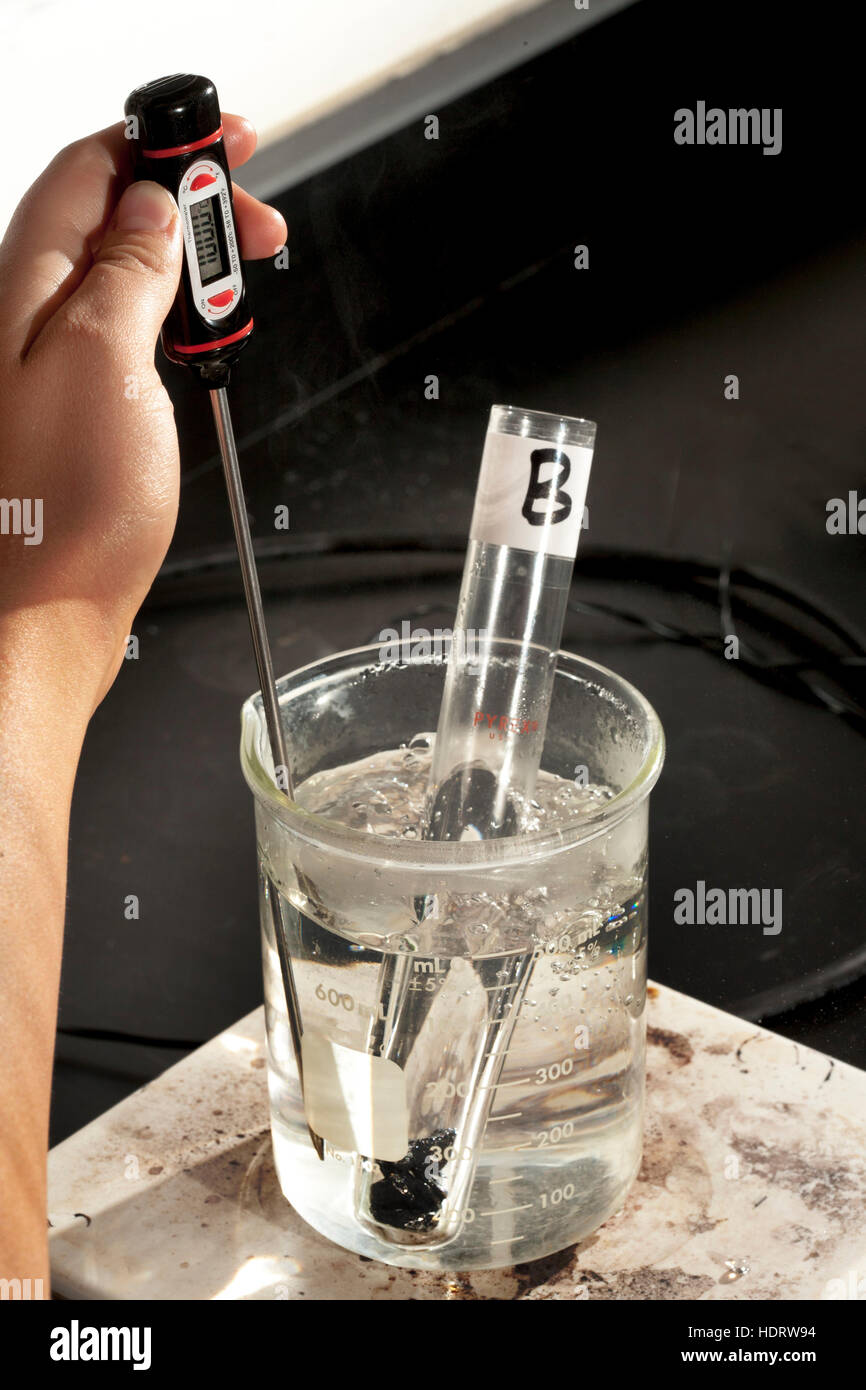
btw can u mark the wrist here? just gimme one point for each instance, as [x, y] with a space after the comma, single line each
[57, 661]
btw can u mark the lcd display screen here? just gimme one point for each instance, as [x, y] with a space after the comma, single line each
[204, 217]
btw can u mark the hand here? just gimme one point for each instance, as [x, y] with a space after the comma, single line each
[88, 428]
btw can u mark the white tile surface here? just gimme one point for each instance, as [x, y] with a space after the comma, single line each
[755, 1155]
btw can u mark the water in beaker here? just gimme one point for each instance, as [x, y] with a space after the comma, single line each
[504, 1120]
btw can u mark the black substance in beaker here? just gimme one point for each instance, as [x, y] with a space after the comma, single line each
[407, 1196]
[469, 801]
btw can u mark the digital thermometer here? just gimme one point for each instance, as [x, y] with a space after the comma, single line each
[175, 128]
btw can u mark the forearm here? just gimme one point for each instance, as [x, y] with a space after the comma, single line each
[48, 688]
[88, 430]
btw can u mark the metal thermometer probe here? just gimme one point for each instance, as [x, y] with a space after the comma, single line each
[175, 127]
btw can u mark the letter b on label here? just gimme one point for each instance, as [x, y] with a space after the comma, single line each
[540, 489]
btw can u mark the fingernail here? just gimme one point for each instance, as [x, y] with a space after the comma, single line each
[145, 207]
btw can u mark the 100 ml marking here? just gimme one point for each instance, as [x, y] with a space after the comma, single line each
[559, 1194]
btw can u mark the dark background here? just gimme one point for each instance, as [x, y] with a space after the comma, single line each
[455, 257]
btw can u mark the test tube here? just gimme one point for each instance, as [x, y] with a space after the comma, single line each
[529, 511]
[526, 524]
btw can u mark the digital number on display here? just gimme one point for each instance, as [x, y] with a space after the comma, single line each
[207, 249]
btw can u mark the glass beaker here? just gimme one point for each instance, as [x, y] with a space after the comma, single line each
[505, 1120]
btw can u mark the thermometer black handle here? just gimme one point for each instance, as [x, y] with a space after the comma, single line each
[175, 128]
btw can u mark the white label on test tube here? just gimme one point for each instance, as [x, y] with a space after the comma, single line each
[531, 494]
[353, 1100]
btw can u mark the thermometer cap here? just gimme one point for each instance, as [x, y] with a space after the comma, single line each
[174, 112]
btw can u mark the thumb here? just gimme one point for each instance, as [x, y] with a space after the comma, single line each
[131, 285]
